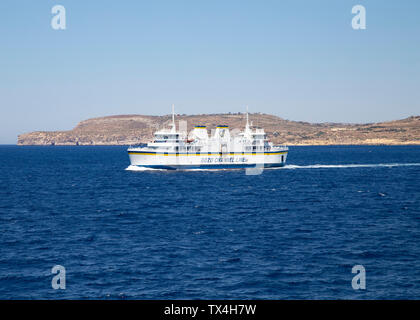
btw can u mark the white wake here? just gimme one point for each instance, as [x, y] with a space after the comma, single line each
[292, 166]
[335, 166]
[136, 168]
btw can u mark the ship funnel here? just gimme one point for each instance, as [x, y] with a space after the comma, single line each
[222, 132]
[199, 132]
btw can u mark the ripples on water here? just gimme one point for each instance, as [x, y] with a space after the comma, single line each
[287, 233]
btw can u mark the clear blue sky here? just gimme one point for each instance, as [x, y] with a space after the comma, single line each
[300, 60]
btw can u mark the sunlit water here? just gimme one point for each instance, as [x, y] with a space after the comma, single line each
[293, 232]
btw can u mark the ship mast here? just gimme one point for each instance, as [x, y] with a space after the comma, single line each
[247, 121]
[173, 118]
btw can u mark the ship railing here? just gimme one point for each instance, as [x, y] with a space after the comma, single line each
[137, 145]
[280, 148]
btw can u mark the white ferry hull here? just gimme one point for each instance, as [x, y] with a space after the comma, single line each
[173, 161]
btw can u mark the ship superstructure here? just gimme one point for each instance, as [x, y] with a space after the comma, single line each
[222, 149]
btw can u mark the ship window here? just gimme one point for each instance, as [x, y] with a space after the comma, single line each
[282, 158]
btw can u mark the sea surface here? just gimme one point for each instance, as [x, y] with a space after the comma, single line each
[289, 233]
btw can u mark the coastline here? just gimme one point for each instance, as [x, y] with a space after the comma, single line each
[138, 129]
[289, 145]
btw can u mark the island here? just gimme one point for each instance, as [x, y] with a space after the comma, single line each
[138, 129]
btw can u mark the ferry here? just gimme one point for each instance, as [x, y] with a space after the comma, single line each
[172, 149]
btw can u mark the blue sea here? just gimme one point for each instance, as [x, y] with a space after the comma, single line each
[289, 233]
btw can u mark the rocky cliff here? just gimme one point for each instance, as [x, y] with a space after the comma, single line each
[134, 129]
